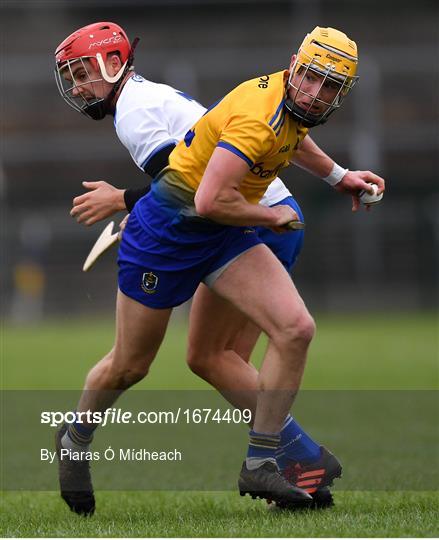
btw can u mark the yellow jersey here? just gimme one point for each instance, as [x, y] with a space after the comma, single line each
[252, 122]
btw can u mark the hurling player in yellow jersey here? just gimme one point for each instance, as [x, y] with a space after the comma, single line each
[195, 226]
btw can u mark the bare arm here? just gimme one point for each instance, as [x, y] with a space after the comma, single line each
[218, 198]
[312, 159]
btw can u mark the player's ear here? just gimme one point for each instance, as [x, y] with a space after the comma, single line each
[293, 59]
[113, 65]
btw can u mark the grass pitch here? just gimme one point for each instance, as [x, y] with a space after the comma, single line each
[388, 351]
[380, 351]
[186, 514]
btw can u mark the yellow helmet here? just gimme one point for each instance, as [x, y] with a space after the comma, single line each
[330, 56]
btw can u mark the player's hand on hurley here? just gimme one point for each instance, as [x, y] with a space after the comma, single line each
[355, 181]
[101, 201]
[283, 215]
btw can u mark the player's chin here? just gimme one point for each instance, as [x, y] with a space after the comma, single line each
[314, 112]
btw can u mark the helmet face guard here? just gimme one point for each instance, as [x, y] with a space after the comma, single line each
[81, 95]
[84, 52]
[330, 64]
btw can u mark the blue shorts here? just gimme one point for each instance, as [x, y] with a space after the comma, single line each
[165, 253]
[285, 246]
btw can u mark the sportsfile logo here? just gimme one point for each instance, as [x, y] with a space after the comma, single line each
[106, 41]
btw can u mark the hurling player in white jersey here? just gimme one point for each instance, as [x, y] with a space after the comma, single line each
[94, 75]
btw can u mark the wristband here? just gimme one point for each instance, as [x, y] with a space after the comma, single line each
[132, 195]
[336, 175]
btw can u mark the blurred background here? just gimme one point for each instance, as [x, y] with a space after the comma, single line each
[383, 260]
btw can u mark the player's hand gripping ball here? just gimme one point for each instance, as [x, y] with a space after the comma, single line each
[370, 198]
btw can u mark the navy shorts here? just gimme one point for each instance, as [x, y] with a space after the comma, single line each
[164, 254]
[285, 246]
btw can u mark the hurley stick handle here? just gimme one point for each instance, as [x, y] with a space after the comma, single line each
[295, 225]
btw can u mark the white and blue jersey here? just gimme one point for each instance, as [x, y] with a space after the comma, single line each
[150, 117]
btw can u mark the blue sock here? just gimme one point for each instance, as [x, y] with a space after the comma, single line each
[295, 445]
[262, 448]
[81, 434]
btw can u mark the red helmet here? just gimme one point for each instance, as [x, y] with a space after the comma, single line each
[91, 43]
[100, 37]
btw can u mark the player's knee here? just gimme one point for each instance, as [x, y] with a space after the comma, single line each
[306, 328]
[297, 331]
[129, 373]
[198, 362]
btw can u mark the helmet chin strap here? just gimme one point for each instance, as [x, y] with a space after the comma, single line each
[103, 69]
